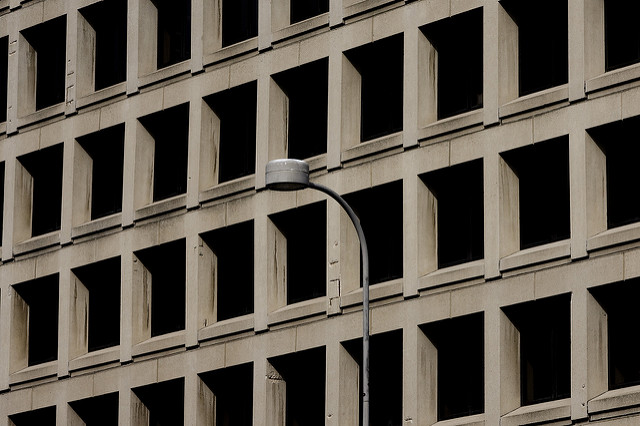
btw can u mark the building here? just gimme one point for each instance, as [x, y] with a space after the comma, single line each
[489, 147]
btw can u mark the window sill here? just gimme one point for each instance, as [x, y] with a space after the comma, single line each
[159, 343]
[376, 292]
[374, 146]
[452, 274]
[614, 236]
[3, 127]
[41, 115]
[97, 225]
[226, 327]
[165, 73]
[37, 243]
[160, 207]
[475, 420]
[34, 372]
[229, 52]
[358, 7]
[306, 308]
[613, 78]
[451, 124]
[301, 27]
[615, 403]
[242, 184]
[535, 255]
[319, 162]
[535, 101]
[102, 95]
[558, 412]
[95, 358]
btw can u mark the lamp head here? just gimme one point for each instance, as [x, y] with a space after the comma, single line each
[287, 175]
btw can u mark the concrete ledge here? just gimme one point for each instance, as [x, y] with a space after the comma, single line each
[614, 236]
[477, 420]
[615, 403]
[226, 327]
[160, 207]
[376, 292]
[40, 371]
[3, 127]
[41, 115]
[97, 225]
[536, 255]
[365, 5]
[159, 343]
[318, 162]
[553, 412]
[535, 100]
[298, 310]
[229, 52]
[102, 95]
[451, 124]
[452, 274]
[165, 73]
[92, 359]
[37, 243]
[245, 183]
[301, 27]
[613, 78]
[364, 149]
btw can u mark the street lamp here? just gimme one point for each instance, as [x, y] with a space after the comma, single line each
[292, 175]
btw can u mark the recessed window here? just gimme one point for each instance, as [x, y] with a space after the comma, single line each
[232, 267]
[97, 410]
[385, 376]
[458, 43]
[301, 10]
[44, 66]
[167, 142]
[158, 404]
[304, 92]
[622, 42]
[35, 319]
[41, 417]
[297, 386]
[239, 21]
[4, 64]
[235, 110]
[105, 150]
[96, 295]
[457, 194]
[544, 328]
[378, 69]
[542, 172]
[542, 49]
[379, 210]
[162, 275]
[174, 31]
[232, 391]
[39, 180]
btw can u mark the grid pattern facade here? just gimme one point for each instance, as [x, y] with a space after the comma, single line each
[488, 147]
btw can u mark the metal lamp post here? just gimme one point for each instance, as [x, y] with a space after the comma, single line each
[292, 175]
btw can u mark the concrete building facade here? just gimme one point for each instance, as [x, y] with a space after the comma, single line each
[488, 147]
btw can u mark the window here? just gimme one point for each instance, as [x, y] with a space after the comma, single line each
[174, 32]
[542, 173]
[239, 21]
[41, 417]
[459, 343]
[542, 49]
[544, 335]
[97, 410]
[231, 389]
[301, 10]
[44, 66]
[378, 69]
[622, 43]
[296, 386]
[232, 267]
[4, 65]
[457, 194]
[303, 93]
[35, 320]
[458, 43]
[158, 404]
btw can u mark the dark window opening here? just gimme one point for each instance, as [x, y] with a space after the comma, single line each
[45, 168]
[233, 247]
[102, 279]
[460, 345]
[109, 21]
[458, 41]
[306, 250]
[4, 68]
[380, 212]
[622, 318]
[236, 109]
[380, 65]
[49, 40]
[233, 390]
[239, 21]
[165, 402]
[166, 264]
[106, 149]
[42, 297]
[545, 348]
[98, 411]
[41, 417]
[174, 31]
[301, 10]
[460, 225]
[385, 377]
[542, 49]
[618, 142]
[543, 191]
[307, 89]
[170, 131]
[304, 375]
[621, 40]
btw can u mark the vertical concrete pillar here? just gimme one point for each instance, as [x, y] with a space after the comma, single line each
[576, 26]
[491, 61]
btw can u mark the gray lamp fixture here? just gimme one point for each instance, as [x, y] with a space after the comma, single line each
[292, 175]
